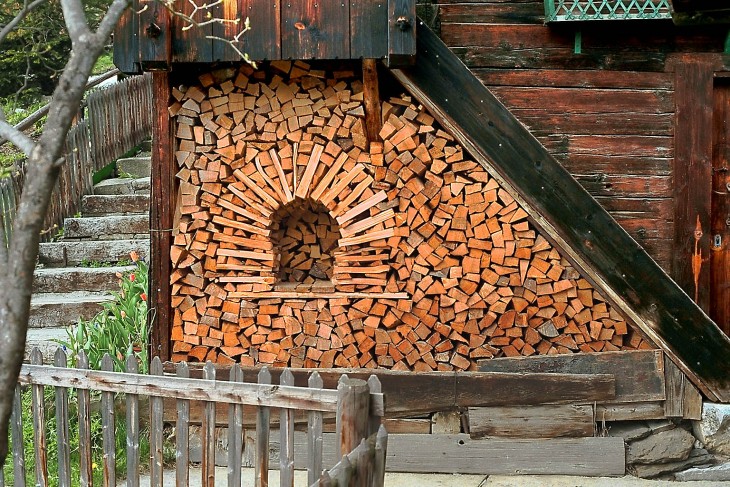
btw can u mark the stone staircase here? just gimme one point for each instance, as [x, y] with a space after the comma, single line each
[77, 273]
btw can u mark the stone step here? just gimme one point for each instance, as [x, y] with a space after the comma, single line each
[69, 279]
[106, 227]
[138, 166]
[69, 253]
[46, 340]
[54, 310]
[123, 186]
[108, 204]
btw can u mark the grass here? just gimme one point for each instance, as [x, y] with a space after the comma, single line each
[103, 64]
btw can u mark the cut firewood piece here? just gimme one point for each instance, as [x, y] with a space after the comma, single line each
[302, 190]
[266, 197]
[362, 207]
[282, 176]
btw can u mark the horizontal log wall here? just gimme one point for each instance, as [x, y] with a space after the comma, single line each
[436, 265]
[607, 113]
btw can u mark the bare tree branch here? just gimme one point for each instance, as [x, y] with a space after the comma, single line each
[75, 18]
[15, 136]
[27, 8]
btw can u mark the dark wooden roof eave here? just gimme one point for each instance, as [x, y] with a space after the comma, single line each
[564, 211]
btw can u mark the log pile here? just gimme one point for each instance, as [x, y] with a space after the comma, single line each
[300, 243]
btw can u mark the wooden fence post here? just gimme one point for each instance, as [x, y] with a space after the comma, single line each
[156, 440]
[39, 426]
[64, 452]
[182, 433]
[235, 434]
[286, 431]
[84, 397]
[208, 427]
[353, 406]
[263, 417]
[374, 421]
[314, 435]
[109, 443]
[17, 424]
[132, 401]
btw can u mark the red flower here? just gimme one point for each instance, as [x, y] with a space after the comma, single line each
[131, 277]
[143, 296]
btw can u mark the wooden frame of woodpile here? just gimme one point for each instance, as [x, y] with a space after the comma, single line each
[311, 233]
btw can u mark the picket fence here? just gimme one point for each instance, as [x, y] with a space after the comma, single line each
[117, 119]
[357, 404]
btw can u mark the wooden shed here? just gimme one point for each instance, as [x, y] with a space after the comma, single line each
[533, 187]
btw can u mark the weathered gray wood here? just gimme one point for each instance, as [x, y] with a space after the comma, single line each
[64, 453]
[235, 434]
[286, 429]
[374, 421]
[447, 422]
[381, 450]
[314, 436]
[636, 411]
[460, 454]
[208, 429]
[132, 406]
[674, 379]
[363, 463]
[692, 401]
[17, 433]
[532, 421]
[193, 389]
[639, 374]
[182, 434]
[344, 472]
[39, 426]
[156, 441]
[109, 446]
[262, 436]
[352, 413]
[84, 398]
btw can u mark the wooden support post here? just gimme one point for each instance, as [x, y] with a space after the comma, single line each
[353, 404]
[163, 198]
[720, 224]
[371, 92]
[693, 179]
[155, 40]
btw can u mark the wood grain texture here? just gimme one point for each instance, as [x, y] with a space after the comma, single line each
[368, 29]
[401, 36]
[161, 218]
[126, 46]
[153, 36]
[720, 209]
[639, 374]
[598, 245]
[532, 422]
[315, 29]
[693, 180]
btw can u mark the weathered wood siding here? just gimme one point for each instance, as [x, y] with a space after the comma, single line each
[607, 114]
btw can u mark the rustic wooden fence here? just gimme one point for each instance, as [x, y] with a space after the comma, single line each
[117, 119]
[358, 405]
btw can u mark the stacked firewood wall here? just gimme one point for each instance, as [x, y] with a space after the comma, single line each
[299, 243]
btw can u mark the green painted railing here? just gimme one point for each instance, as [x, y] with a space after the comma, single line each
[582, 10]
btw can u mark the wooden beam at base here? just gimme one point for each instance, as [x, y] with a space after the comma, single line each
[314, 295]
[566, 213]
[550, 421]
[416, 453]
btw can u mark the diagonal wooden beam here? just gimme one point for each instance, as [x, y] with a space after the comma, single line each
[564, 211]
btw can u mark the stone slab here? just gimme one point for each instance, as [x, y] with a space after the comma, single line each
[68, 279]
[74, 253]
[106, 226]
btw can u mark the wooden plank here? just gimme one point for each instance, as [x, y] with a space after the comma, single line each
[156, 428]
[207, 466]
[192, 43]
[126, 41]
[532, 421]
[109, 444]
[368, 30]
[86, 471]
[154, 35]
[371, 99]
[563, 211]
[132, 417]
[315, 30]
[720, 210]
[161, 217]
[353, 404]
[182, 433]
[575, 78]
[693, 179]
[39, 426]
[16, 422]
[401, 33]
[62, 426]
[683, 399]
[409, 394]
[193, 389]
[286, 430]
[262, 436]
[631, 411]
[235, 434]
[495, 13]
[418, 453]
[639, 374]
[314, 435]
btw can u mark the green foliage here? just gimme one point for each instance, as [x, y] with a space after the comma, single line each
[120, 329]
[34, 54]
